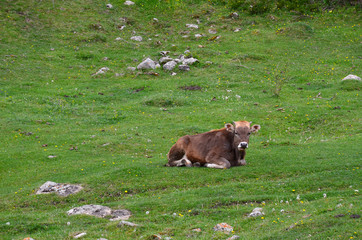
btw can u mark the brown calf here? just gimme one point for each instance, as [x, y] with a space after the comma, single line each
[222, 148]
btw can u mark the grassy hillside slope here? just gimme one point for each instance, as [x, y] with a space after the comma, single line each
[281, 70]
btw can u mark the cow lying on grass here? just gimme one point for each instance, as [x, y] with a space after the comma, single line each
[222, 148]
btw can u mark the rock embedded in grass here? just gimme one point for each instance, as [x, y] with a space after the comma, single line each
[100, 211]
[128, 3]
[126, 223]
[256, 212]
[137, 38]
[61, 189]
[192, 26]
[233, 237]
[352, 77]
[184, 67]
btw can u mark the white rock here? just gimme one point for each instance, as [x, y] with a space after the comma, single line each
[352, 77]
[131, 69]
[199, 35]
[93, 210]
[109, 5]
[164, 53]
[128, 3]
[59, 188]
[234, 15]
[237, 30]
[118, 39]
[212, 31]
[170, 65]
[157, 65]
[80, 235]
[192, 26]
[256, 212]
[122, 27]
[173, 74]
[147, 64]
[137, 38]
[233, 237]
[8, 223]
[189, 61]
[155, 19]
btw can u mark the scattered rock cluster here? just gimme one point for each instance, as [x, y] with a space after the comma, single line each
[168, 63]
[101, 211]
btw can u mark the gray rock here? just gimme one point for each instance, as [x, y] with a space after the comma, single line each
[126, 223]
[223, 227]
[165, 60]
[170, 65]
[128, 3]
[155, 19]
[109, 5]
[352, 77]
[137, 38]
[192, 26]
[208, 62]
[237, 30]
[256, 212]
[199, 35]
[178, 60]
[121, 214]
[147, 64]
[131, 69]
[189, 61]
[173, 74]
[184, 67]
[61, 189]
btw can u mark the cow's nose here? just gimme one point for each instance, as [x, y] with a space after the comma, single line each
[243, 145]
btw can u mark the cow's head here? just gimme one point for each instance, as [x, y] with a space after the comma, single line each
[241, 131]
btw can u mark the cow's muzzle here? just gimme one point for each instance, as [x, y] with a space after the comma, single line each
[242, 145]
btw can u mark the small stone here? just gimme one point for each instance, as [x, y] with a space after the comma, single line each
[8, 223]
[256, 212]
[102, 239]
[131, 69]
[156, 237]
[68, 223]
[52, 156]
[196, 230]
[105, 59]
[198, 35]
[192, 26]
[212, 31]
[184, 67]
[119, 39]
[126, 223]
[170, 65]
[234, 15]
[128, 3]
[223, 227]
[102, 70]
[28, 238]
[80, 235]
[355, 216]
[173, 74]
[147, 64]
[137, 38]
[208, 62]
[233, 237]
[109, 6]
[237, 30]
[352, 77]
[155, 19]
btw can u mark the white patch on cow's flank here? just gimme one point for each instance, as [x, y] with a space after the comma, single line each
[213, 165]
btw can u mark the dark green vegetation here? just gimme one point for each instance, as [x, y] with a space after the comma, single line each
[282, 70]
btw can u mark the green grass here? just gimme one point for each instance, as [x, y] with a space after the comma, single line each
[278, 64]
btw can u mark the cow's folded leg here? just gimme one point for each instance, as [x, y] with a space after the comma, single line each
[241, 162]
[218, 163]
[186, 162]
[196, 164]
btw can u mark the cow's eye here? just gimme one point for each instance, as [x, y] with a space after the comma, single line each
[249, 133]
[236, 133]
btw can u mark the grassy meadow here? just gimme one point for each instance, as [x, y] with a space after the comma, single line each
[111, 132]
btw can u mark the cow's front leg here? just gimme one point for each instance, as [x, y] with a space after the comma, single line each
[219, 163]
[241, 162]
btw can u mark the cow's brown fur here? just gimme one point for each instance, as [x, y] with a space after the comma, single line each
[216, 148]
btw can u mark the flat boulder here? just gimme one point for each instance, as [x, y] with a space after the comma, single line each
[100, 211]
[170, 65]
[352, 77]
[256, 212]
[223, 227]
[62, 189]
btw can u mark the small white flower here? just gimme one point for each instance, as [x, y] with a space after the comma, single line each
[356, 190]
[147, 212]
[298, 197]
[281, 201]
[287, 202]
[282, 210]
[228, 90]
[324, 195]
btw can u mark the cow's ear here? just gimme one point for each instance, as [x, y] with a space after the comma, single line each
[229, 127]
[255, 128]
